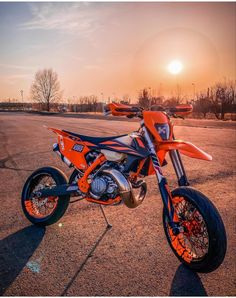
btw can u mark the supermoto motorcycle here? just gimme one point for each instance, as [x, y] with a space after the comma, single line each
[109, 171]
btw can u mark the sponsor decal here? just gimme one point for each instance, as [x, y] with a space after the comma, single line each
[62, 143]
[161, 129]
[78, 148]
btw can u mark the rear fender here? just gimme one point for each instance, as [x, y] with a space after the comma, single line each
[57, 131]
[185, 148]
[67, 147]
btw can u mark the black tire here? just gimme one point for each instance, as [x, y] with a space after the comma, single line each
[60, 204]
[214, 227]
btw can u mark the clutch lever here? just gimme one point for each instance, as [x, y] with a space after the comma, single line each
[130, 116]
[177, 116]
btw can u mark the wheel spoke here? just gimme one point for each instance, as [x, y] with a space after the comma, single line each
[194, 240]
[42, 207]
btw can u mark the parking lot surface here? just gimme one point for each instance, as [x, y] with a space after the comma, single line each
[79, 257]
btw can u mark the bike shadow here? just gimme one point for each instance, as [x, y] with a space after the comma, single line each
[90, 253]
[15, 251]
[186, 283]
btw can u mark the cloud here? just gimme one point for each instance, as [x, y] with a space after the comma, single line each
[70, 17]
[13, 79]
[20, 67]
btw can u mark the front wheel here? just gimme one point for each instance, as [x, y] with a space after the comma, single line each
[201, 243]
[44, 211]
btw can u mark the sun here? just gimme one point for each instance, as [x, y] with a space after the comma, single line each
[175, 67]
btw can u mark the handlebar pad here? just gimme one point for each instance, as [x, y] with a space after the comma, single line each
[181, 109]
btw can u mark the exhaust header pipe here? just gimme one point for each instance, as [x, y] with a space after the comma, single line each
[126, 190]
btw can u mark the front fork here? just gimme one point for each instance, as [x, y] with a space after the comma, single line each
[163, 185]
[178, 167]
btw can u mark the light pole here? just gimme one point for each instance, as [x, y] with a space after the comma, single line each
[114, 97]
[150, 98]
[160, 89]
[178, 89]
[22, 97]
[194, 90]
[102, 96]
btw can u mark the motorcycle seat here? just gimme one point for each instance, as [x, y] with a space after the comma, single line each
[94, 140]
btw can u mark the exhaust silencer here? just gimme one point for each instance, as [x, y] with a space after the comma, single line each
[126, 190]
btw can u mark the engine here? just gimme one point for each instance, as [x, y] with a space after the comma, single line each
[110, 183]
[103, 187]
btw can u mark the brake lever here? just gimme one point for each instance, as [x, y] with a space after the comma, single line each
[139, 115]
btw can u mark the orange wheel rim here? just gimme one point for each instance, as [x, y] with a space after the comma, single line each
[43, 210]
[192, 242]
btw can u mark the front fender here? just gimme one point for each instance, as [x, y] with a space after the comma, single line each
[185, 148]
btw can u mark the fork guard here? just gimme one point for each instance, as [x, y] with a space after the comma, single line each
[185, 148]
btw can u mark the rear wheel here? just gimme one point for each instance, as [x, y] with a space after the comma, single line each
[44, 211]
[201, 243]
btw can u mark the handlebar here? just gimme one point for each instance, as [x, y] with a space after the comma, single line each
[175, 111]
[134, 111]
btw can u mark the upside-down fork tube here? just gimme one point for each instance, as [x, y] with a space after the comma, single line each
[162, 183]
[178, 167]
[175, 147]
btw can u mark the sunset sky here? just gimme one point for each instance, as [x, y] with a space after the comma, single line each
[113, 49]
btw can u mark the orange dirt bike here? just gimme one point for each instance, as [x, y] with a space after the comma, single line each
[108, 171]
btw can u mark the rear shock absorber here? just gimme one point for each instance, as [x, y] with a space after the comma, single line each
[63, 158]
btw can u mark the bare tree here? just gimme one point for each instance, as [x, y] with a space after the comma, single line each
[223, 97]
[88, 103]
[94, 101]
[144, 98]
[126, 99]
[203, 104]
[172, 101]
[46, 88]
[178, 93]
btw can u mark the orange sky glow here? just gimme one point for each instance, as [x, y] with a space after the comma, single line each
[115, 49]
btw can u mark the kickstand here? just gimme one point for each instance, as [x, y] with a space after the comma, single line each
[109, 226]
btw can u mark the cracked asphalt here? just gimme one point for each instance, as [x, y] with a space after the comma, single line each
[78, 256]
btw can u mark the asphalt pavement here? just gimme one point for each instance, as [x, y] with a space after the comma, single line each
[78, 256]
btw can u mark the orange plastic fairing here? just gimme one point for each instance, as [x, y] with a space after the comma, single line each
[185, 148]
[57, 131]
[151, 118]
[66, 145]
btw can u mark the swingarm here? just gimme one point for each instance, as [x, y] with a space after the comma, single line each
[60, 190]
